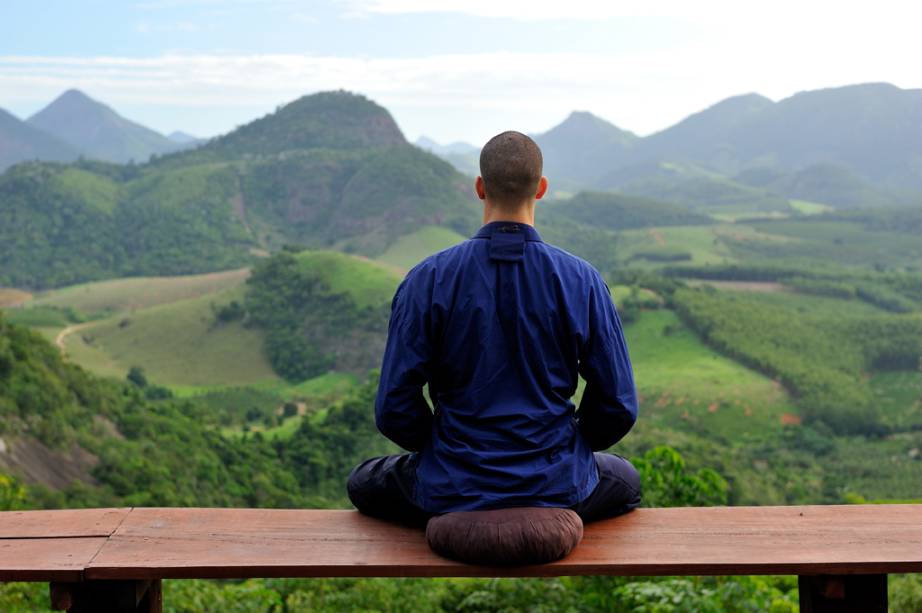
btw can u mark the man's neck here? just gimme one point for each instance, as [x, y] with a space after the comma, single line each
[523, 214]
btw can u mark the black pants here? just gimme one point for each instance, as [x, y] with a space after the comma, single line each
[382, 487]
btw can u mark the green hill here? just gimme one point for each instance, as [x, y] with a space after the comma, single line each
[703, 190]
[178, 344]
[121, 296]
[326, 171]
[412, 248]
[61, 225]
[328, 120]
[621, 212]
[321, 311]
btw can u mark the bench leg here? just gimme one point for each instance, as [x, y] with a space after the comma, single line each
[115, 596]
[843, 593]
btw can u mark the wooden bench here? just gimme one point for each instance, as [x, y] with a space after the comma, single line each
[114, 559]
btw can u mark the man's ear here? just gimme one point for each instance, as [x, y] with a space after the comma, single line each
[480, 189]
[542, 188]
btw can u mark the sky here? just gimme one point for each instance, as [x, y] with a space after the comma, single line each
[453, 70]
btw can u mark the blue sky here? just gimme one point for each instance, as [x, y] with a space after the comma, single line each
[451, 69]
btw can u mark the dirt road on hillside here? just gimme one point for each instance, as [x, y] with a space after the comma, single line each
[63, 334]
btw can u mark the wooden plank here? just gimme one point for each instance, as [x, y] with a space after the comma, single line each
[47, 559]
[240, 543]
[60, 523]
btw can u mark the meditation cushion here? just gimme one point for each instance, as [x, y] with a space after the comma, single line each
[518, 536]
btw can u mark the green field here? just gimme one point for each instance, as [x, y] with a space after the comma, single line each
[176, 344]
[366, 281]
[805, 207]
[119, 295]
[411, 249]
[685, 384]
[825, 242]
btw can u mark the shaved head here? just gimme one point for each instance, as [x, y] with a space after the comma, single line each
[511, 165]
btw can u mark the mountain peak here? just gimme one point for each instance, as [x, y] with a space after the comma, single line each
[97, 131]
[327, 120]
[72, 105]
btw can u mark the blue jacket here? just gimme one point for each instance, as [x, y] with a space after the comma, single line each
[500, 326]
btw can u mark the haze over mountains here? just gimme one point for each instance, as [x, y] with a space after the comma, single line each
[333, 170]
[75, 125]
[327, 170]
[846, 146]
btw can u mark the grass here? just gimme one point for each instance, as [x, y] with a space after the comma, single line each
[845, 243]
[369, 283]
[10, 297]
[40, 317]
[684, 383]
[123, 295]
[88, 187]
[805, 207]
[801, 304]
[899, 396]
[411, 249]
[701, 243]
[176, 344]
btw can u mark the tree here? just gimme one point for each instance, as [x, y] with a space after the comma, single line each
[136, 375]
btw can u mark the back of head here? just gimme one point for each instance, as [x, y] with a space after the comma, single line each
[511, 165]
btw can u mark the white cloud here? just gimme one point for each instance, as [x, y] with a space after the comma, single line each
[729, 12]
[471, 96]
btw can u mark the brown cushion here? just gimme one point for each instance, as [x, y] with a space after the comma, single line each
[527, 535]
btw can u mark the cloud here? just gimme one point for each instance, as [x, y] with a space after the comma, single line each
[468, 96]
[730, 12]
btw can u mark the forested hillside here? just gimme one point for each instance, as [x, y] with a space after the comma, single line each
[328, 170]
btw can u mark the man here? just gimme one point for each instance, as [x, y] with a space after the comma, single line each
[500, 327]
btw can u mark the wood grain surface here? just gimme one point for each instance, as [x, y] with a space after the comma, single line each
[47, 559]
[165, 543]
[151, 543]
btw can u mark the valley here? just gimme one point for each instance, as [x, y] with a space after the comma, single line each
[205, 328]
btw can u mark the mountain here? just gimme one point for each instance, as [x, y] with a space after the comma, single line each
[824, 183]
[583, 148]
[184, 138]
[870, 133]
[20, 142]
[873, 129]
[707, 137]
[97, 131]
[330, 170]
[329, 120]
[463, 156]
[424, 142]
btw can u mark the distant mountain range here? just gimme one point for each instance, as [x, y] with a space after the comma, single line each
[75, 125]
[330, 170]
[846, 146]
[20, 141]
[463, 156]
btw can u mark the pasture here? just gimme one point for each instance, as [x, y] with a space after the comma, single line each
[103, 298]
[685, 384]
[179, 343]
[411, 249]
